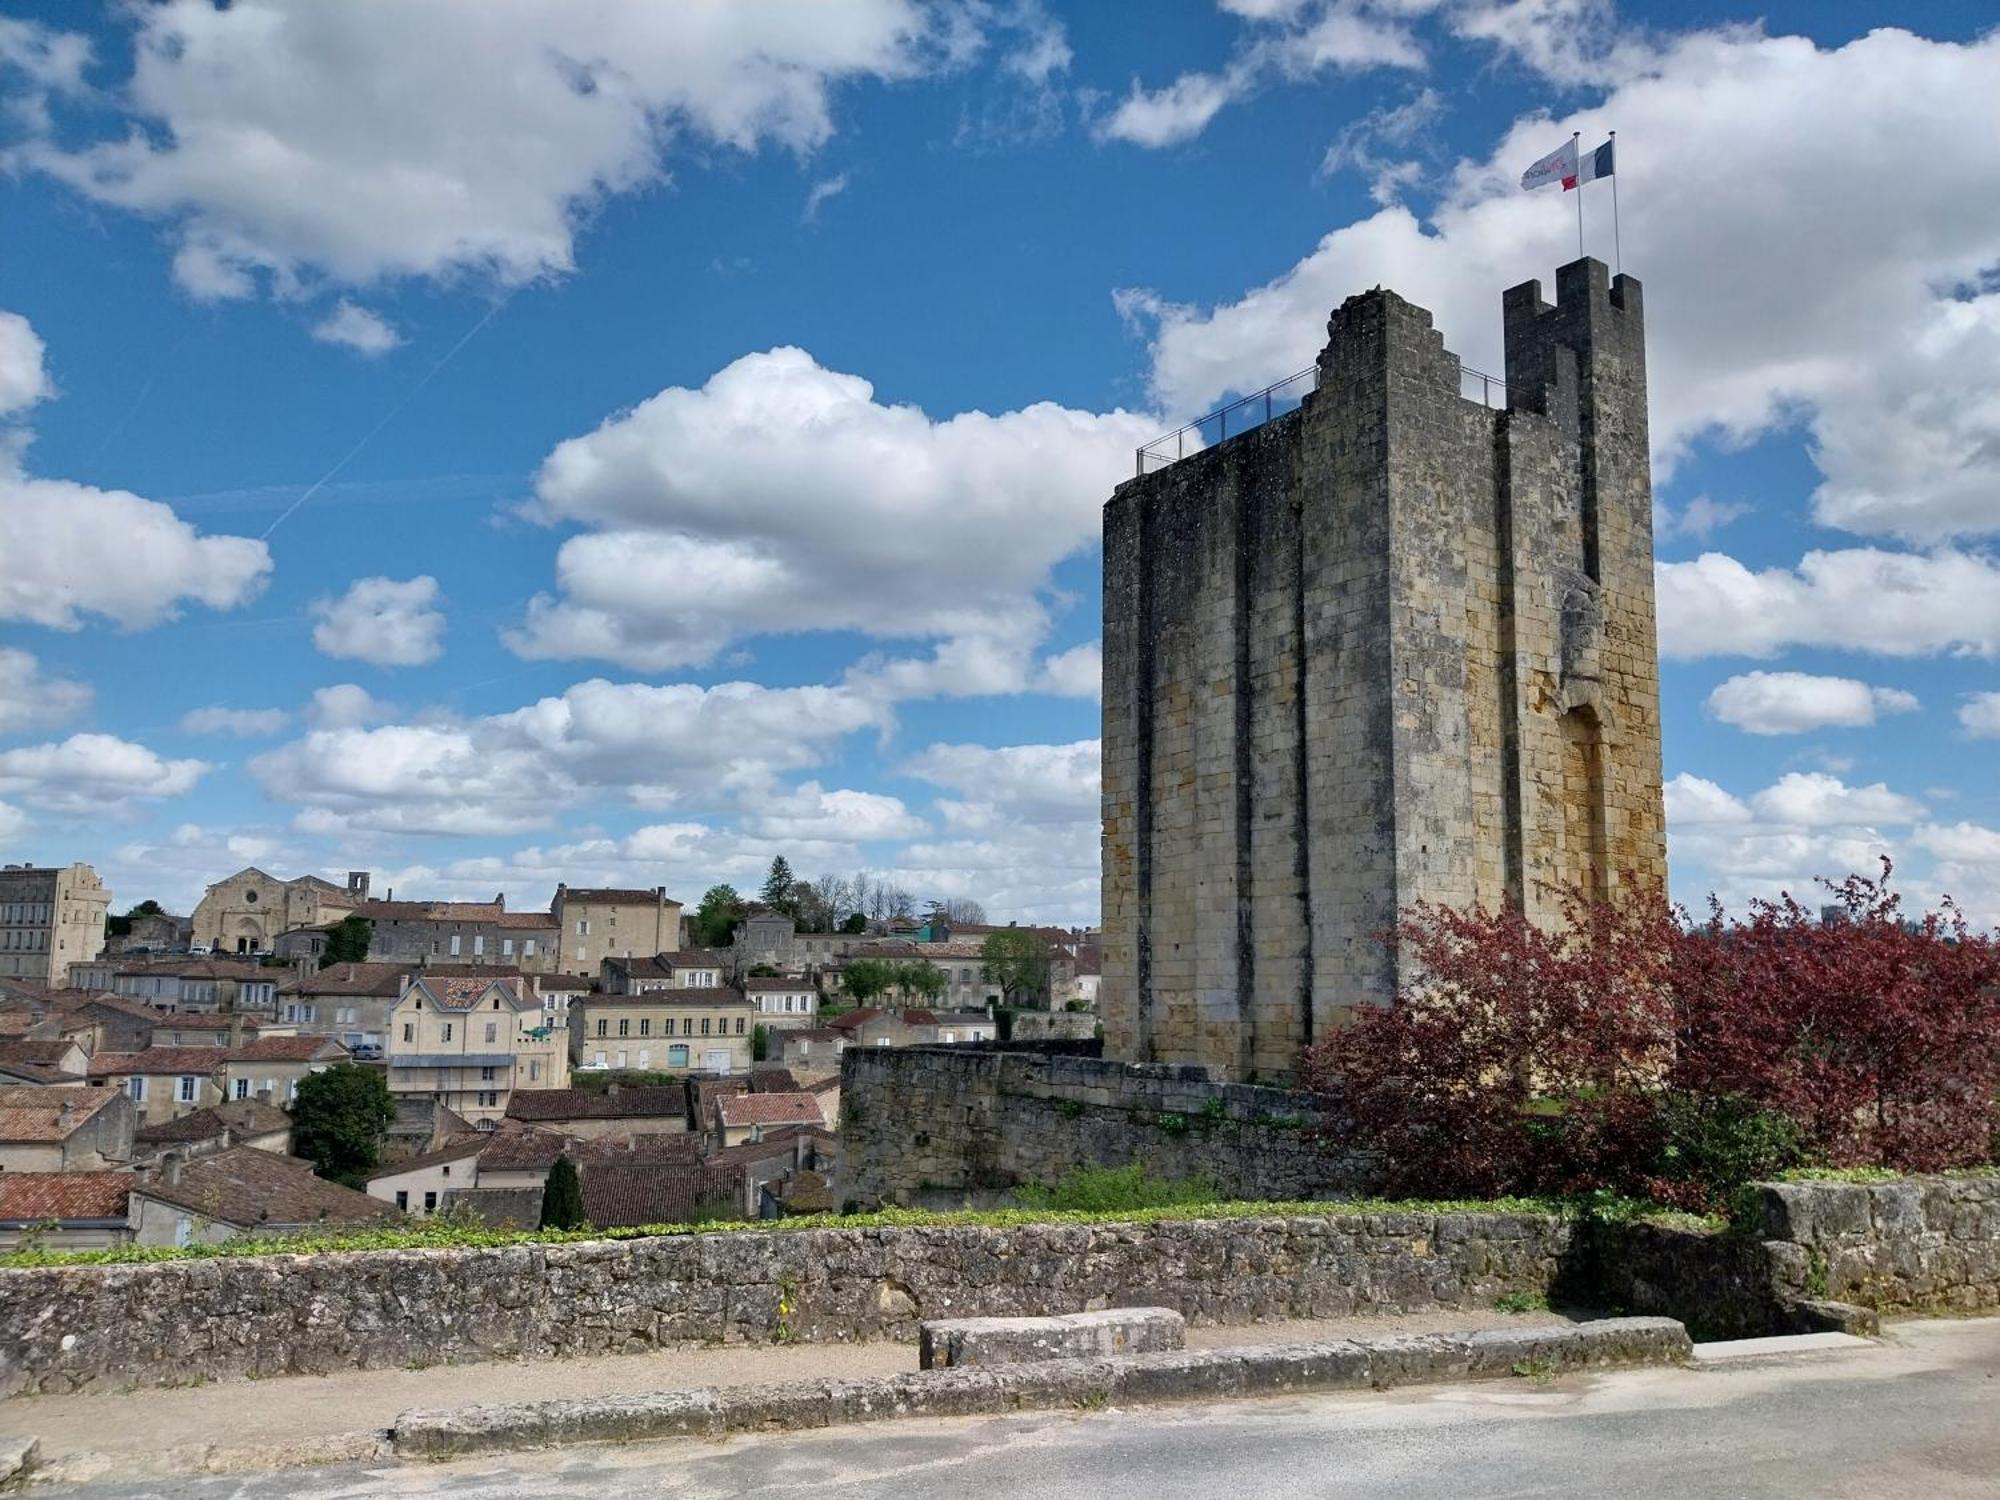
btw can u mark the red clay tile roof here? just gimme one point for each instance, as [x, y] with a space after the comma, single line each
[631, 1101]
[46, 1053]
[35, 1113]
[285, 1049]
[456, 1151]
[768, 1109]
[249, 1189]
[429, 911]
[537, 1150]
[241, 1117]
[766, 1079]
[465, 992]
[626, 1196]
[30, 1197]
[612, 895]
[765, 984]
[156, 1061]
[539, 919]
[351, 979]
[716, 995]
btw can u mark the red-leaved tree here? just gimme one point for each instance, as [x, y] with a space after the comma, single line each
[1634, 1050]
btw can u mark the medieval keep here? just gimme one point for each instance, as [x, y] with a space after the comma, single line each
[1394, 645]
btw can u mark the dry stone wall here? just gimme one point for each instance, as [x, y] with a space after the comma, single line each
[944, 1127]
[178, 1322]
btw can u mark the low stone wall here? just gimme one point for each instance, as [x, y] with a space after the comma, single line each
[944, 1126]
[1919, 1244]
[175, 1322]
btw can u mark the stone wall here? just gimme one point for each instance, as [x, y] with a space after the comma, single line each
[942, 1127]
[179, 1322]
[1919, 1244]
[1394, 645]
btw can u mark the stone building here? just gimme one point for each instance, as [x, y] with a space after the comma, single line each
[247, 912]
[1393, 645]
[470, 1039]
[672, 1030]
[595, 924]
[49, 920]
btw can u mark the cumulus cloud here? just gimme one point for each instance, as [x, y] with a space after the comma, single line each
[1289, 41]
[631, 743]
[93, 773]
[248, 723]
[289, 140]
[1979, 715]
[1884, 342]
[346, 705]
[1696, 802]
[1798, 702]
[1855, 599]
[29, 700]
[1075, 673]
[1813, 799]
[781, 497]
[24, 379]
[73, 550]
[1021, 834]
[386, 621]
[808, 812]
[12, 821]
[358, 329]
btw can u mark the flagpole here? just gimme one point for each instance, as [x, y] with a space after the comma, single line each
[1617, 243]
[1574, 136]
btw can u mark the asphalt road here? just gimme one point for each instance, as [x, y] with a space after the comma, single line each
[1917, 1416]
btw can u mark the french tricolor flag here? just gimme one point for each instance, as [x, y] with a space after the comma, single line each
[1569, 167]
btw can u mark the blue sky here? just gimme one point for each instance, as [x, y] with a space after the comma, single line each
[718, 404]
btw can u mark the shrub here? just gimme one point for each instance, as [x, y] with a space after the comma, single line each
[562, 1197]
[1636, 1051]
[1116, 1189]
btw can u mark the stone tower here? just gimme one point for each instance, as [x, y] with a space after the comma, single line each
[1393, 645]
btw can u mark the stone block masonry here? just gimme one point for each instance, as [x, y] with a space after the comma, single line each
[1392, 646]
[949, 1343]
[947, 1127]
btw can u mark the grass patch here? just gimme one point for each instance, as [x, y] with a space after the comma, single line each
[1878, 1174]
[1540, 1371]
[435, 1236]
[1521, 1302]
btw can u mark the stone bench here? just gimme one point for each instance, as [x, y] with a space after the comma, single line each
[948, 1343]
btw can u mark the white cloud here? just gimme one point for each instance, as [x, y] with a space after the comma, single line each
[781, 496]
[1979, 715]
[93, 773]
[1700, 518]
[29, 700]
[632, 743]
[1285, 40]
[1695, 802]
[1885, 343]
[72, 550]
[295, 140]
[1813, 799]
[1856, 599]
[1374, 144]
[358, 329]
[1960, 843]
[346, 705]
[820, 194]
[1798, 702]
[810, 813]
[24, 379]
[246, 722]
[386, 621]
[1075, 673]
[13, 821]
[1031, 784]
[1176, 112]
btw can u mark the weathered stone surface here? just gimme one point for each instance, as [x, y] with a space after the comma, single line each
[944, 1127]
[1182, 1375]
[1394, 645]
[948, 1343]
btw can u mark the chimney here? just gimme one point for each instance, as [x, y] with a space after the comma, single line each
[66, 1113]
[170, 1168]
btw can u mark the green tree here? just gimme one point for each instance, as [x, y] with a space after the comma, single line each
[348, 942]
[760, 1044]
[920, 978]
[1018, 961]
[716, 917]
[122, 926]
[562, 1197]
[855, 924]
[781, 888]
[338, 1119]
[866, 978]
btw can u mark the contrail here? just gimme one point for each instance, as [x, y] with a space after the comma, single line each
[387, 417]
